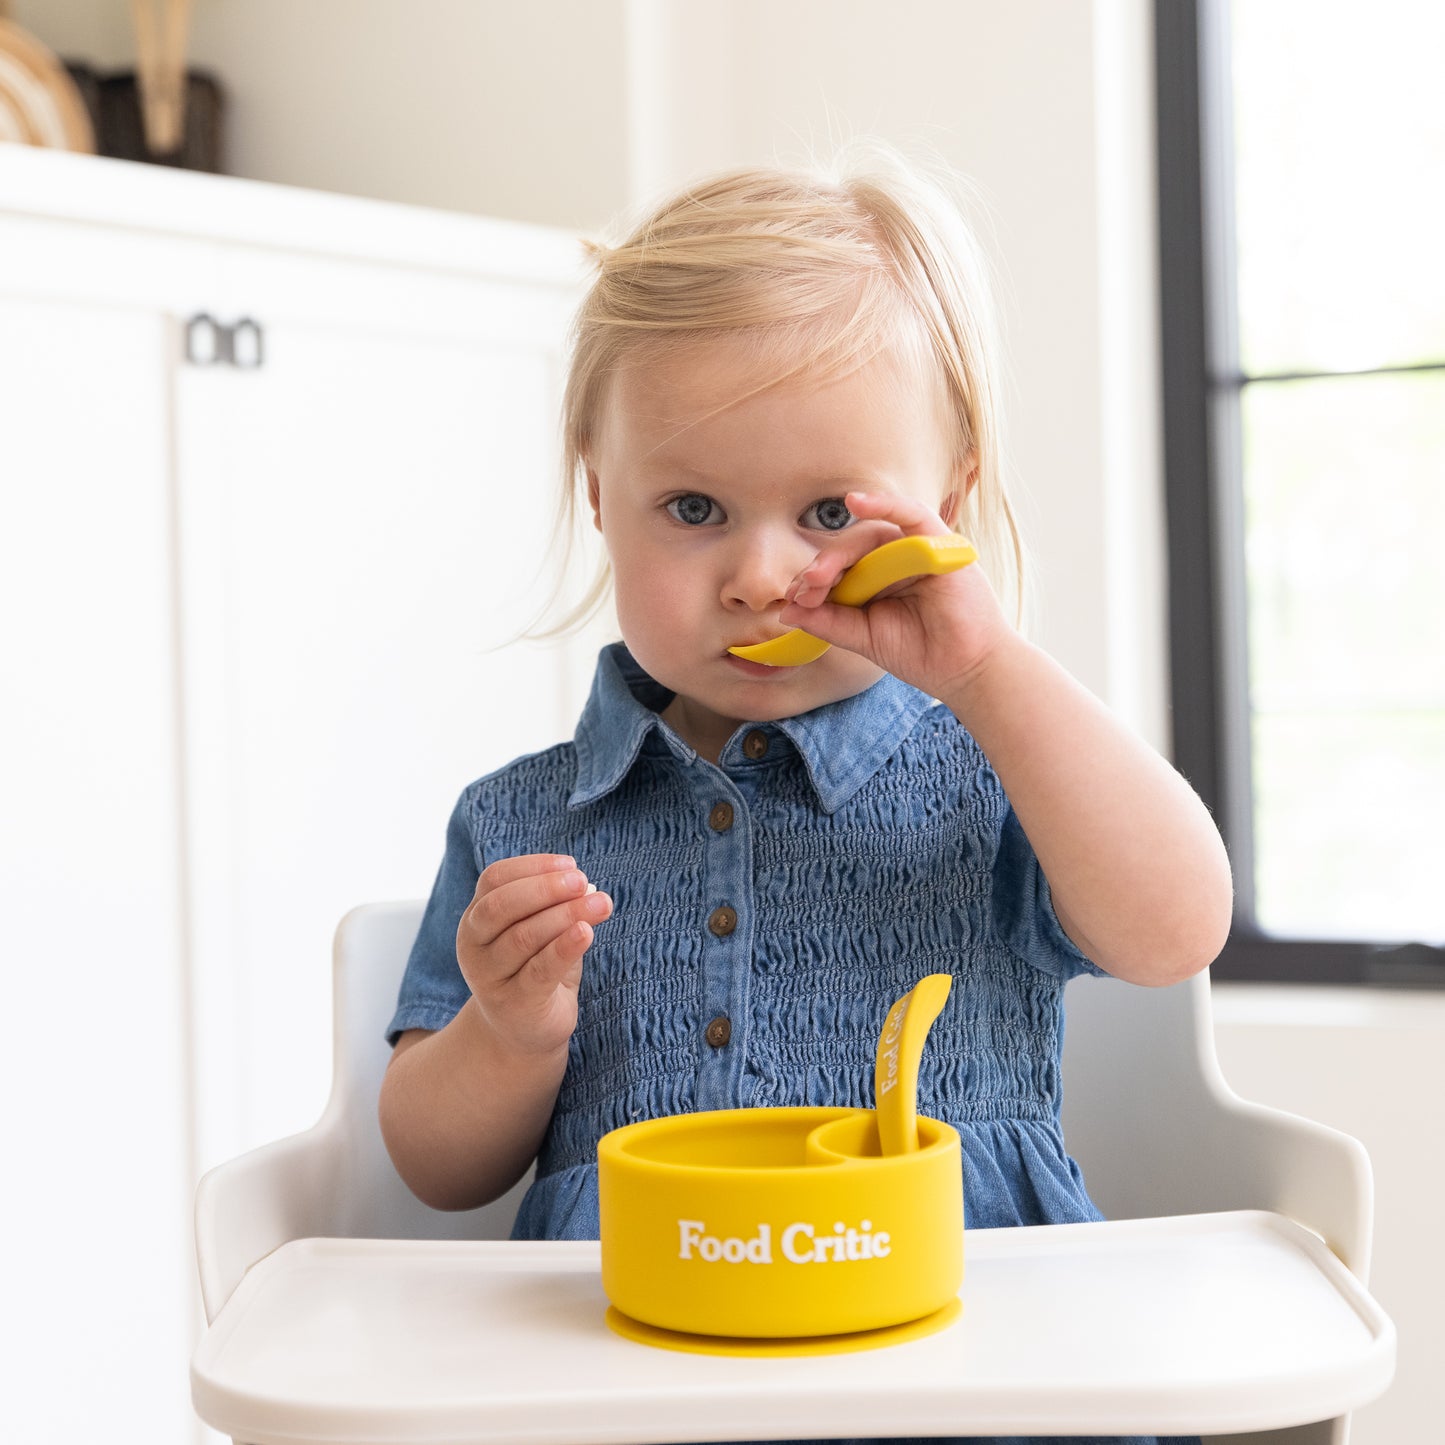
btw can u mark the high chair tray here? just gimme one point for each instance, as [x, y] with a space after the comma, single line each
[1202, 1323]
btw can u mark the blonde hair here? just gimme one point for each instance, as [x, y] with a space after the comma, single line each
[815, 272]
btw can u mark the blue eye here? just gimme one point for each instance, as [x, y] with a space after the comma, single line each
[831, 514]
[693, 509]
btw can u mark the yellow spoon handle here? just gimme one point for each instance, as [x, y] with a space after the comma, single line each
[900, 1049]
[898, 560]
[894, 561]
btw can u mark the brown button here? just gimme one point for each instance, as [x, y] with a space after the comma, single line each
[718, 1032]
[755, 745]
[722, 921]
[721, 817]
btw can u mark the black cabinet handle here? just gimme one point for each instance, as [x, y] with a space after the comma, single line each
[212, 343]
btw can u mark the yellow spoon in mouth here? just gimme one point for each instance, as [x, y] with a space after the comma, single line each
[895, 1070]
[894, 561]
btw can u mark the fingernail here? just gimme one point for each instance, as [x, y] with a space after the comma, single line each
[598, 905]
[573, 881]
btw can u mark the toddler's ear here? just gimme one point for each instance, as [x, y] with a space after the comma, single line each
[965, 478]
[594, 497]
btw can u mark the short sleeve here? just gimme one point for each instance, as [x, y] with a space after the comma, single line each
[432, 988]
[1024, 908]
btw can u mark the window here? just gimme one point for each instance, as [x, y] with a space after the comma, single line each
[1302, 228]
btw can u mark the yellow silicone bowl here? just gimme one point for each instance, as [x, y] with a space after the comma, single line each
[778, 1223]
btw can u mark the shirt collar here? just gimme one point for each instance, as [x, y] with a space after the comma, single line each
[842, 744]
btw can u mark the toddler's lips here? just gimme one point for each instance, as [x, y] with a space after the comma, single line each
[752, 669]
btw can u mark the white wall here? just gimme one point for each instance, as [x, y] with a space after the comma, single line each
[566, 111]
[498, 109]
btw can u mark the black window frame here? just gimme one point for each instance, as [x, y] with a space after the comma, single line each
[1202, 463]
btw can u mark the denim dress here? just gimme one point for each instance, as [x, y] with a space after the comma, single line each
[767, 912]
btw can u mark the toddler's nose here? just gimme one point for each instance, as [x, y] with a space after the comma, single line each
[762, 570]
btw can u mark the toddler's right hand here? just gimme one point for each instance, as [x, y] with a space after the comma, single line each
[520, 946]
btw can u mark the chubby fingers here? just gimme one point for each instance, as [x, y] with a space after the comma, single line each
[912, 517]
[525, 906]
[881, 517]
[813, 584]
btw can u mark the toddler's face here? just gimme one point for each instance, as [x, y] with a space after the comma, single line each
[711, 506]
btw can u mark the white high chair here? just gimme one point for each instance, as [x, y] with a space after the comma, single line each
[1149, 1118]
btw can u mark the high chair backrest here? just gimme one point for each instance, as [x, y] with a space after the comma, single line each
[1147, 1113]
[371, 949]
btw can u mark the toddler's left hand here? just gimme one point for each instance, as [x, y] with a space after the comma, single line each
[930, 631]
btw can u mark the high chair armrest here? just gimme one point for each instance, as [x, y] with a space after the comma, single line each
[1157, 1129]
[1307, 1171]
[251, 1205]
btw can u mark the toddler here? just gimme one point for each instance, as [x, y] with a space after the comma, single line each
[710, 896]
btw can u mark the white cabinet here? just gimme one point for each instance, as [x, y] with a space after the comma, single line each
[94, 1070]
[251, 621]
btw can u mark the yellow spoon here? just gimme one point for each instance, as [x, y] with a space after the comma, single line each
[895, 1072]
[894, 561]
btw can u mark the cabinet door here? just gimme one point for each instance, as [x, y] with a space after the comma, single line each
[362, 519]
[94, 1071]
